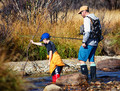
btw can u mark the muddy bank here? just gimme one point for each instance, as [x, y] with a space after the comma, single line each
[41, 66]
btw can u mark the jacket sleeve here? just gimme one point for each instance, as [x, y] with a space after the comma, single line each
[87, 29]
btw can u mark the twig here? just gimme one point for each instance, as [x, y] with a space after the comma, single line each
[29, 47]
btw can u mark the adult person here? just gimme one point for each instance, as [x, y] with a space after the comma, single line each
[89, 45]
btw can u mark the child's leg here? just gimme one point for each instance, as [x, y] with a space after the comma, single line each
[56, 73]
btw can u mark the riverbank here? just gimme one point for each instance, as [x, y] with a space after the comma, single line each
[41, 66]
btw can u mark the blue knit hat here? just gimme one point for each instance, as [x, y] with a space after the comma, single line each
[45, 36]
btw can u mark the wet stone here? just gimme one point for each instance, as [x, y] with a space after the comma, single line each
[72, 79]
[52, 87]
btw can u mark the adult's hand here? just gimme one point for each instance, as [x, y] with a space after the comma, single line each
[84, 45]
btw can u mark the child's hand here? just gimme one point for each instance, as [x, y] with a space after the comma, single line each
[31, 41]
[49, 63]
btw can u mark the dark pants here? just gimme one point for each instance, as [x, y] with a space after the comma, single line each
[57, 70]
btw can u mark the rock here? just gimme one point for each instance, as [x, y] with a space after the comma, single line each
[98, 84]
[109, 65]
[118, 87]
[108, 48]
[110, 82]
[113, 89]
[52, 87]
[92, 83]
[106, 69]
[72, 79]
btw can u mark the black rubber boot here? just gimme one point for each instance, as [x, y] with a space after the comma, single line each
[84, 70]
[93, 72]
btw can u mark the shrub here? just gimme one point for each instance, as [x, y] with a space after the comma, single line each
[9, 80]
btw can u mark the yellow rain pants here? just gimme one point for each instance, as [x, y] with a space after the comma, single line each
[56, 61]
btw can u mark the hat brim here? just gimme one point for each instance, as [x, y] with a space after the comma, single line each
[79, 13]
[41, 39]
[44, 38]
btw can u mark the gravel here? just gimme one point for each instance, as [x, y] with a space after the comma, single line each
[41, 66]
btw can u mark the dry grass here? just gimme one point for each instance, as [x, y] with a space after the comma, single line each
[23, 32]
[112, 17]
[63, 29]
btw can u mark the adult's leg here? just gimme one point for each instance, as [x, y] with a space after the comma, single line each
[93, 71]
[82, 57]
[92, 63]
[84, 69]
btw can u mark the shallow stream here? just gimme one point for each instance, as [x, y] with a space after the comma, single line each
[40, 82]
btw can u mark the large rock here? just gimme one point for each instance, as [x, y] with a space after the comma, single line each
[52, 87]
[72, 79]
[109, 65]
[108, 47]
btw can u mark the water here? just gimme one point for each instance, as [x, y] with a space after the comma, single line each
[108, 76]
[41, 82]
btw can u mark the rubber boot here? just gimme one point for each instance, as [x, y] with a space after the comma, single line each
[84, 70]
[93, 71]
[55, 77]
[56, 73]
